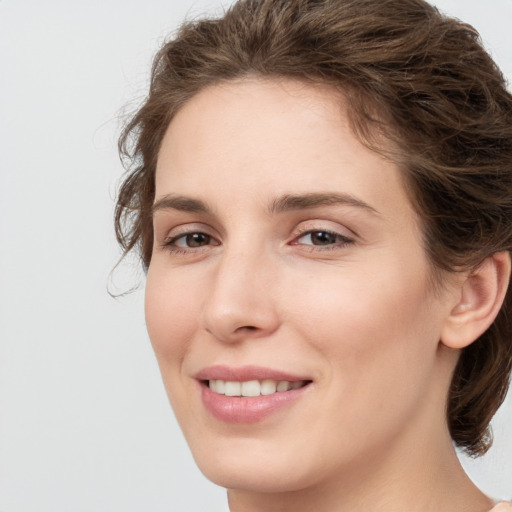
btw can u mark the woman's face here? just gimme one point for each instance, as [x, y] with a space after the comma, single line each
[287, 252]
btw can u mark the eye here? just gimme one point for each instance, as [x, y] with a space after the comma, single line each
[189, 241]
[192, 240]
[322, 238]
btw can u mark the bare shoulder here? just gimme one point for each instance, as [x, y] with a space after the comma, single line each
[503, 506]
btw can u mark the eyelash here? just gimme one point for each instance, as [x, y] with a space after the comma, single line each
[342, 241]
[170, 244]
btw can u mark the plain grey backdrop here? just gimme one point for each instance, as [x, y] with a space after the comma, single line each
[84, 421]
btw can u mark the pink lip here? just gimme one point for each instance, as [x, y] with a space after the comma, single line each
[246, 409]
[244, 373]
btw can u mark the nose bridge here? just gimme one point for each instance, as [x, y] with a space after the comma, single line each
[240, 302]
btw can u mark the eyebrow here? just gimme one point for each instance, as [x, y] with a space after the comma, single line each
[180, 203]
[284, 203]
[290, 202]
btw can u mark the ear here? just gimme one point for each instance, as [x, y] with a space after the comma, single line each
[481, 295]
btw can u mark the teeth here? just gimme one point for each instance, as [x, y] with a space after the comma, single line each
[284, 385]
[233, 388]
[253, 387]
[220, 386]
[268, 387]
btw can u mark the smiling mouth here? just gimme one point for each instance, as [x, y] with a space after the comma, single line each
[249, 394]
[253, 388]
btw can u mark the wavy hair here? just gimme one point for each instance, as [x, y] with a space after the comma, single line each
[404, 66]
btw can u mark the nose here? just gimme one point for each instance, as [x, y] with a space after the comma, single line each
[241, 303]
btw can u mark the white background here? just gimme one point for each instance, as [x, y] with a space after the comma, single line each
[84, 421]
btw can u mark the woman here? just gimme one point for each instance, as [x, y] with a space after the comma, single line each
[320, 194]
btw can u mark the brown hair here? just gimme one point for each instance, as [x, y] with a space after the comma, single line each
[401, 61]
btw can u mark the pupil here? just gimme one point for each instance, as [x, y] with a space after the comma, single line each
[322, 238]
[197, 239]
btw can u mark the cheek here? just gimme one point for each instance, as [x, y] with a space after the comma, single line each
[363, 310]
[379, 334]
[171, 310]
[378, 339]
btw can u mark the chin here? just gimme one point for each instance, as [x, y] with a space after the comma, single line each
[256, 477]
[258, 466]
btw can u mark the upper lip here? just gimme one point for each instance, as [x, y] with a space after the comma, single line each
[245, 373]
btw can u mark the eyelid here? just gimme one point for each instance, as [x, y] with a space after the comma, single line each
[185, 229]
[342, 239]
[325, 225]
[345, 236]
[167, 239]
[172, 241]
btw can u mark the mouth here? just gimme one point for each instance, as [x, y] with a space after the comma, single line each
[248, 394]
[253, 388]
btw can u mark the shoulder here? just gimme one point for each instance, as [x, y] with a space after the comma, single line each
[502, 506]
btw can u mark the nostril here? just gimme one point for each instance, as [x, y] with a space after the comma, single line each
[246, 329]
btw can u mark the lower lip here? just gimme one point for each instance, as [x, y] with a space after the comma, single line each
[241, 409]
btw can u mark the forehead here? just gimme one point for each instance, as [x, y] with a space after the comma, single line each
[269, 137]
[252, 110]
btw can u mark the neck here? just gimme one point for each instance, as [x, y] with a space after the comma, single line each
[418, 470]
[428, 481]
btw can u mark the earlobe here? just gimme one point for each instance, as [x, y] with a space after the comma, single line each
[481, 295]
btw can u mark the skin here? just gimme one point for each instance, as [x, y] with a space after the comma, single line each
[356, 313]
